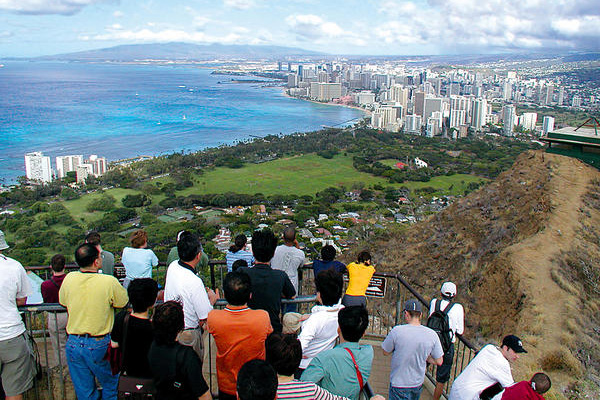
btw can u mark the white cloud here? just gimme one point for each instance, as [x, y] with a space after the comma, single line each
[475, 24]
[239, 4]
[164, 35]
[200, 22]
[40, 7]
[313, 27]
[118, 14]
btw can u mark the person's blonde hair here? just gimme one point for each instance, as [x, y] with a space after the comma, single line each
[138, 238]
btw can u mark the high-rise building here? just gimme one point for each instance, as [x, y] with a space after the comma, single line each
[528, 121]
[292, 80]
[412, 124]
[576, 101]
[457, 118]
[325, 91]
[547, 125]
[98, 164]
[479, 113]
[561, 95]
[549, 95]
[509, 118]
[66, 164]
[419, 103]
[432, 104]
[37, 167]
[365, 98]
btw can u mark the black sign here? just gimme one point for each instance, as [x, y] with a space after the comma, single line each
[376, 286]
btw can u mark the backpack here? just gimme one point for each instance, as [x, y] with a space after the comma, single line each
[438, 321]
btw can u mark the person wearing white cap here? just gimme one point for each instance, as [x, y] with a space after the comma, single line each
[456, 325]
[16, 362]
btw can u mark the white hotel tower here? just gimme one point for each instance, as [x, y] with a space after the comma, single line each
[37, 167]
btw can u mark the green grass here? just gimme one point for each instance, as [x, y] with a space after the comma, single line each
[306, 174]
[390, 162]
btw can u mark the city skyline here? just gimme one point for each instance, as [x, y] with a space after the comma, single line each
[386, 27]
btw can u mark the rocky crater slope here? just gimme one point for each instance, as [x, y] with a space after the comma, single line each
[525, 253]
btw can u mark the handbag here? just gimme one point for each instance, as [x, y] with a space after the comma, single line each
[131, 385]
[365, 390]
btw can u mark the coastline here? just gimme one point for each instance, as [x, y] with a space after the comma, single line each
[367, 112]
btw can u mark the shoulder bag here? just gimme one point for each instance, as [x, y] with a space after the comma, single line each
[131, 385]
[365, 389]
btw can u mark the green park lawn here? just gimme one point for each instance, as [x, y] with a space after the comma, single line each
[453, 184]
[301, 175]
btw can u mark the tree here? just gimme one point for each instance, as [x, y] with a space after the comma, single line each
[136, 200]
[103, 203]
[69, 194]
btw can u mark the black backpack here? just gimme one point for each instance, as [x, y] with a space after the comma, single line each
[438, 321]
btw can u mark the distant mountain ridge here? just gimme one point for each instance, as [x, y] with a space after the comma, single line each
[177, 51]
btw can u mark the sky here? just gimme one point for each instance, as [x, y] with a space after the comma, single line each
[368, 27]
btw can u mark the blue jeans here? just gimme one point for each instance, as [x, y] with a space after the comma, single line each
[85, 357]
[405, 393]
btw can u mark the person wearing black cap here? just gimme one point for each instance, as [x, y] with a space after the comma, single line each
[412, 346]
[489, 368]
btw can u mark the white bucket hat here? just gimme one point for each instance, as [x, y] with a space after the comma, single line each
[3, 244]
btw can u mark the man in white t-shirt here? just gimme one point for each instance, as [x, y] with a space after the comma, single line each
[16, 362]
[456, 323]
[412, 346]
[184, 286]
[491, 366]
[320, 330]
[289, 258]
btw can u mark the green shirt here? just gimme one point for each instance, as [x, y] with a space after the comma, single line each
[173, 255]
[334, 370]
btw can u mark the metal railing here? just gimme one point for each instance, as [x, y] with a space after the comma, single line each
[385, 312]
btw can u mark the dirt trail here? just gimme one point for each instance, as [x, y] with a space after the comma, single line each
[549, 304]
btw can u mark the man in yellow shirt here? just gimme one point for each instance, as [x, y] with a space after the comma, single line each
[90, 299]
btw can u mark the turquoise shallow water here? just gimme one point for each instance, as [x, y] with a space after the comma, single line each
[121, 111]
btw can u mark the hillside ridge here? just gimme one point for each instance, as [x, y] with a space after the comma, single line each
[513, 247]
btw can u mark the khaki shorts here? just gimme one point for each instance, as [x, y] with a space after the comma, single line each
[193, 339]
[17, 365]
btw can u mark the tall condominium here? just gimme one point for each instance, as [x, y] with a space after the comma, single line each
[479, 113]
[37, 167]
[66, 164]
[509, 118]
[547, 125]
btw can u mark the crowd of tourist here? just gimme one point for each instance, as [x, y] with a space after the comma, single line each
[158, 348]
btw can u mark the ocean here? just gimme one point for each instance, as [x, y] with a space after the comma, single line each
[122, 111]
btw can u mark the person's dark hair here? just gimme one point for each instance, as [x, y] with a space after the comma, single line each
[414, 314]
[284, 353]
[86, 254]
[188, 246]
[142, 294]
[138, 238]
[328, 252]
[241, 263]
[239, 243]
[237, 288]
[329, 284]
[263, 245]
[542, 382]
[289, 234]
[93, 237]
[57, 263]
[363, 256]
[257, 380]
[167, 322]
[353, 322]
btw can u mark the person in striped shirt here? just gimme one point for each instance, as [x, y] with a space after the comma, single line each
[284, 353]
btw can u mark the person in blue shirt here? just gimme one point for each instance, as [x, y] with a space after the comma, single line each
[339, 370]
[237, 252]
[328, 254]
[138, 260]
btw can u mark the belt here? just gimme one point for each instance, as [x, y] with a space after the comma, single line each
[87, 335]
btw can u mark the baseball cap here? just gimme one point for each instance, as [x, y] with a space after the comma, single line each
[514, 343]
[448, 289]
[3, 244]
[413, 305]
